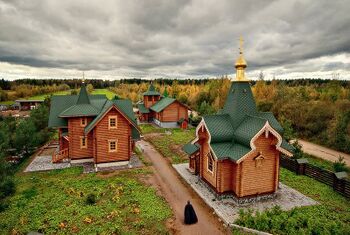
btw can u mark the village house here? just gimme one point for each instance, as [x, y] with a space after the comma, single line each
[237, 150]
[92, 128]
[162, 110]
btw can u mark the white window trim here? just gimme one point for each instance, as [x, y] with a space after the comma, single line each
[109, 122]
[81, 142]
[109, 146]
[209, 155]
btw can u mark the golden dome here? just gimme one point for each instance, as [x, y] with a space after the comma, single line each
[240, 62]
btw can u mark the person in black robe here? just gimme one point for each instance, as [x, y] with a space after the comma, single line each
[190, 214]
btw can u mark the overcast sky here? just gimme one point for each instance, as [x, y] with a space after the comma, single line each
[176, 39]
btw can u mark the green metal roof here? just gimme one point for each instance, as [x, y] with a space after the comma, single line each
[151, 91]
[229, 150]
[83, 97]
[219, 127]
[80, 110]
[285, 145]
[190, 148]
[248, 129]
[162, 104]
[142, 108]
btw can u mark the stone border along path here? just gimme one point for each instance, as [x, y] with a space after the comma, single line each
[286, 197]
[44, 163]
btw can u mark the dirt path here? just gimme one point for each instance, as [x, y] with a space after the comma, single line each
[323, 152]
[177, 193]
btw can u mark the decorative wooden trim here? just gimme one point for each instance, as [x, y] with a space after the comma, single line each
[110, 143]
[83, 122]
[83, 142]
[115, 117]
[267, 128]
[210, 157]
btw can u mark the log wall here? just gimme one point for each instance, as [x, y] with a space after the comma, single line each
[75, 131]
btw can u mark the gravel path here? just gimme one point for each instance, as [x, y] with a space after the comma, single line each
[177, 193]
[286, 197]
[323, 152]
[44, 163]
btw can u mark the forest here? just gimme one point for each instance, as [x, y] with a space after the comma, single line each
[312, 109]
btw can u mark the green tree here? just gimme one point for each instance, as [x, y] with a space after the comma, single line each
[26, 137]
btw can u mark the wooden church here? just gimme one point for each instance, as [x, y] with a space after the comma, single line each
[237, 150]
[162, 110]
[92, 128]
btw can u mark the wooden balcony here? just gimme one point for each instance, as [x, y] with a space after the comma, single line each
[60, 156]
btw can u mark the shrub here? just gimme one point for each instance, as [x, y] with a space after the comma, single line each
[340, 165]
[91, 199]
[7, 188]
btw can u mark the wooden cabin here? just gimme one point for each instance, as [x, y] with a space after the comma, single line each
[162, 110]
[92, 128]
[237, 151]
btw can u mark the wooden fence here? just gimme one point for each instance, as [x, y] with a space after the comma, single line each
[340, 185]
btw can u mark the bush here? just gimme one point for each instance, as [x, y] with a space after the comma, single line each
[340, 165]
[91, 199]
[7, 188]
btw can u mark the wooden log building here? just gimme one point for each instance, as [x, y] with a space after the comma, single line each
[162, 110]
[92, 128]
[237, 150]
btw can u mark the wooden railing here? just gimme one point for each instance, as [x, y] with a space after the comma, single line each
[59, 156]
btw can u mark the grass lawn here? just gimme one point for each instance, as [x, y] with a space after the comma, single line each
[110, 94]
[169, 141]
[9, 102]
[332, 216]
[43, 96]
[55, 203]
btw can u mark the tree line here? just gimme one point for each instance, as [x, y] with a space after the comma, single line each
[20, 137]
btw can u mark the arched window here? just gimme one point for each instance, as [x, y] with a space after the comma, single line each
[210, 164]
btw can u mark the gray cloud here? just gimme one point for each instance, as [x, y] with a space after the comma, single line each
[188, 38]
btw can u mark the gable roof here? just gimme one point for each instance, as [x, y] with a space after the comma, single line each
[63, 106]
[142, 108]
[151, 91]
[162, 104]
[190, 148]
[124, 106]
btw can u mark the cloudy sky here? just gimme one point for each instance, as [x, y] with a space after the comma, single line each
[176, 39]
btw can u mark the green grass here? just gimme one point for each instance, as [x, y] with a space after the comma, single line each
[55, 203]
[43, 96]
[170, 141]
[149, 128]
[324, 164]
[9, 102]
[110, 94]
[332, 216]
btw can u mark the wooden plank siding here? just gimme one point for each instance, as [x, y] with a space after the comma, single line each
[173, 113]
[264, 178]
[150, 100]
[246, 178]
[121, 134]
[75, 131]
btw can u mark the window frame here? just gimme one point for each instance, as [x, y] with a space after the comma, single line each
[109, 122]
[259, 161]
[211, 158]
[83, 139]
[85, 122]
[109, 146]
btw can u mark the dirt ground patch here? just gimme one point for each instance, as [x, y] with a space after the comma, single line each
[177, 193]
